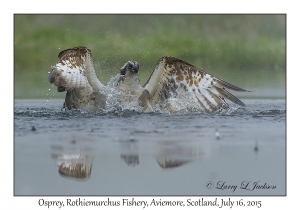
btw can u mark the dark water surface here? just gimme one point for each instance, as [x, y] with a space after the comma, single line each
[128, 153]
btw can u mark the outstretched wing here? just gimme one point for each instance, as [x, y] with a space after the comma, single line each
[172, 75]
[74, 72]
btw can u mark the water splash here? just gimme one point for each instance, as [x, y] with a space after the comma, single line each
[177, 103]
[46, 104]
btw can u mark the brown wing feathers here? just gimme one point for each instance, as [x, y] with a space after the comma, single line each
[230, 86]
[69, 74]
[74, 73]
[208, 91]
[225, 94]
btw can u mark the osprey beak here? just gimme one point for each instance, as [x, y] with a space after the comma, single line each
[135, 69]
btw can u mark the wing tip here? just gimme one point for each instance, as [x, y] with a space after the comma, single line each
[231, 86]
[241, 103]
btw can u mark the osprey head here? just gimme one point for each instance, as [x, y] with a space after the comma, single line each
[130, 67]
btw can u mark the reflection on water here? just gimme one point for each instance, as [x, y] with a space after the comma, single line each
[76, 163]
[131, 153]
[77, 166]
[171, 158]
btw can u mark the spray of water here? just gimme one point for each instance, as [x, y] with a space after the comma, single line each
[177, 103]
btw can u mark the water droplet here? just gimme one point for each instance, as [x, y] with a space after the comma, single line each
[218, 136]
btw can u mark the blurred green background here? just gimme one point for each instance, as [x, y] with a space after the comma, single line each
[246, 50]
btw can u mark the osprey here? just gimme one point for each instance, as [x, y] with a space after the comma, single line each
[75, 74]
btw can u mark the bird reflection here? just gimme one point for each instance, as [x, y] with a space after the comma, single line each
[131, 160]
[76, 162]
[167, 154]
[76, 166]
[129, 153]
[72, 163]
[163, 162]
[171, 155]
